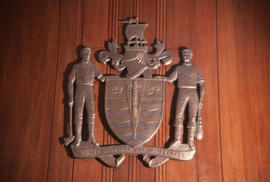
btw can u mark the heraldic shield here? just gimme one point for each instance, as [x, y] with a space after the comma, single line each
[134, 108]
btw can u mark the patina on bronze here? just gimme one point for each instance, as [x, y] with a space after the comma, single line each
[134, 103]
[190, 83]
[83, 74]
[190, 80]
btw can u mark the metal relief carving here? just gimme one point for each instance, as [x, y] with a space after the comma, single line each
[134, 103]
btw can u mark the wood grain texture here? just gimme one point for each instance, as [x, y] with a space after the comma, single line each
[125, 8]
[180, 32]
[230, 40]
[28, 69]
[95, 24]
[209, 164]
[94, 34]
[180, 23]
[243, 40]
[161, 137]
[148, 14]
[70, 30]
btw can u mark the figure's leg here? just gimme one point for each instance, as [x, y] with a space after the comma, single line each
[90, 106]
[193, 109]
[78, 116]
[178, 123]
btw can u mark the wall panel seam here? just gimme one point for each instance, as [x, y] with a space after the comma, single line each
[55, 81]
[82, 26]
[218, 88]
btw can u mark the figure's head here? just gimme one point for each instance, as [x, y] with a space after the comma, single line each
[86, 54]
[186, 55]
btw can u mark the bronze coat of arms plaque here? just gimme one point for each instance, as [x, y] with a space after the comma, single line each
[134, 102]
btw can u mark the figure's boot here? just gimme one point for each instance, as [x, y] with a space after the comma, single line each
[177, 134]
[191, 135]
[78, 131]
[91, 137]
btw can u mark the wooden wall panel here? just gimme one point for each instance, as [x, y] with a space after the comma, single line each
[125, 9]
[95, 22]
[180, 23]
[70, 30]
[29, 44]
[261, 82]
[147, 12]
[180, 32]
[243, 57]
[94, 34]
[209, 164]
[128, 171]
[230, 40]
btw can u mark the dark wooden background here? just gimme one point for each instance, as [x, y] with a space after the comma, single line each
[231, 44]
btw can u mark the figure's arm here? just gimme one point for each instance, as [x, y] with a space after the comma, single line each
[172, 77]
[99, 76]
[201, 93]
[71, 80]
[200, 82]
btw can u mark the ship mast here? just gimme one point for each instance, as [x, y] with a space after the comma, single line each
[134, 32]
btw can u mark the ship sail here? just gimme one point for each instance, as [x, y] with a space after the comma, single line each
[135, 32]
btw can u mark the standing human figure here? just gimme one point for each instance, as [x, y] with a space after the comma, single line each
[190, 94]
[83, 74]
